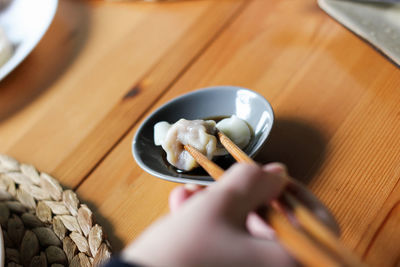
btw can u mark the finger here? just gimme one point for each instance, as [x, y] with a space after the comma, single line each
[276, 167]
[180, 194]
[258, 227]
[244, 188]
[306, 197]
[176, 197]
[263, 251]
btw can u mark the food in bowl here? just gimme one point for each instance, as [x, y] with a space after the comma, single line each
[201, 134]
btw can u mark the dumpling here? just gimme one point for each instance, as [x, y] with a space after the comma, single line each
[160, 132]
[197, 133]
[236, 129]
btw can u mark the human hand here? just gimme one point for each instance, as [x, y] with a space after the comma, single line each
[217, 226]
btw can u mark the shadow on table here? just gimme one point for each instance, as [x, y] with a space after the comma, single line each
[297, 144]
[48, 61]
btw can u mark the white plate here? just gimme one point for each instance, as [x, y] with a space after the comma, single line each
[25, 22]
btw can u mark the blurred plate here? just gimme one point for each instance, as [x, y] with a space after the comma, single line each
[377, 23]
[25, 22]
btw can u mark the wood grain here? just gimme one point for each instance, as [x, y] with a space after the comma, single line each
[352, 106]
[382, 229]
[384, 250]
[132, 52]
[336, 102]
[127, 198]
[315, 73]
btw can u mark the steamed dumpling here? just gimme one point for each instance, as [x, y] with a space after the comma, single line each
[236, 129]
[160, 132]
[197, 133]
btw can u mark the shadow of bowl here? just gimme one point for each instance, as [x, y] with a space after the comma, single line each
[297, 144]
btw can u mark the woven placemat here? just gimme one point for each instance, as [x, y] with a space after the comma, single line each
[44, 225]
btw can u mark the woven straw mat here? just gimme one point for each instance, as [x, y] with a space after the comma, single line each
[44, 225]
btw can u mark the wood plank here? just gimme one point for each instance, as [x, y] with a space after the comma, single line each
[385, 249]
[124, 198]
[333, 92]
[263, 49]
[345, 111]
[123, 56]
[364, 168]
[337, 121]
[375, 229]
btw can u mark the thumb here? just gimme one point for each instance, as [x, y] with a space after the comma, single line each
[244, 188]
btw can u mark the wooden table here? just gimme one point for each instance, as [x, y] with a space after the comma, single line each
[72, 107]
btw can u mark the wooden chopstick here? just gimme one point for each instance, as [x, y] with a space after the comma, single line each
[306, 219]
[321, 232]
[297, 242]
[211, 168]
[234, 150]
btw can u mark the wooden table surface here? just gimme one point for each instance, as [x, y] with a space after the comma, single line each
[72, 107]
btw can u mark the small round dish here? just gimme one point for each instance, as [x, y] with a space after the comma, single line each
[204, 103]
